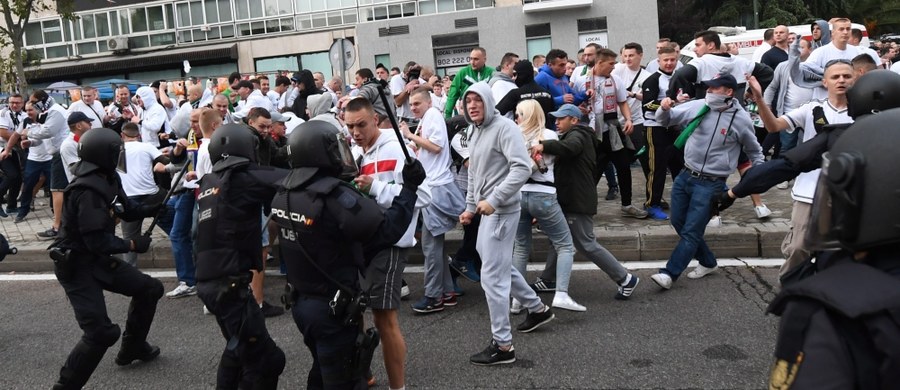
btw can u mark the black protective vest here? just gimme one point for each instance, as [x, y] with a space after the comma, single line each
[326, 219]
[98, 193]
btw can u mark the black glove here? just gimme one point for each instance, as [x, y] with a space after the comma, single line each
[142, 244]
[413, 175]
[721, 201]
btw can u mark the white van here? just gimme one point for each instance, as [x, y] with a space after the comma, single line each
[748, 41]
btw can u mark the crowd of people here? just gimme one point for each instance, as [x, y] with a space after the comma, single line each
[496, 150]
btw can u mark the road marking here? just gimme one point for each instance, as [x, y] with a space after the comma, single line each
[418, 269]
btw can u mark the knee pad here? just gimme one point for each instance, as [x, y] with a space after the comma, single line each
[104, 336]
[155, 290]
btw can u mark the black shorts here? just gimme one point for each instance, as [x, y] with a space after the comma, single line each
[384, 277]
[58, 179]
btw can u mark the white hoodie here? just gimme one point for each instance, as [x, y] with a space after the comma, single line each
[153, 116]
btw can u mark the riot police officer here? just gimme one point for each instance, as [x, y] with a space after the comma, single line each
[84, 267]
[326, 228]
[228, 236]
[840, 328]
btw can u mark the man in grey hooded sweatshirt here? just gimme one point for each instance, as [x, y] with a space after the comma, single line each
[498, 167]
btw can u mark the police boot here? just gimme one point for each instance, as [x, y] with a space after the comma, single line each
[80, 364]
[133, 349]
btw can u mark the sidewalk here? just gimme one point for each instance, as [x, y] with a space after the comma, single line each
[741, 234]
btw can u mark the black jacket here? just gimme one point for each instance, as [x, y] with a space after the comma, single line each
[309, 88]
[573, 170]
[527, 89]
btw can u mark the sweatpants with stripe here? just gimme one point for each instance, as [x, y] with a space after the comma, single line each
[662, 156]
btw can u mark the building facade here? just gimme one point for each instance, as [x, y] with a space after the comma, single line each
[150, 40]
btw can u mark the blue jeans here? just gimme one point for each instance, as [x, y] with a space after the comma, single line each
[545, 208]
[33, 172]
[690, 212]
[176, 222]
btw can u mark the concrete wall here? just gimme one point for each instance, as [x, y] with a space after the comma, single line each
[285, 45]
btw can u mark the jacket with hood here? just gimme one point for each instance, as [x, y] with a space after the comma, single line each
[826, 34]
[689, 79]
[309, 88]
[501, 84]
[557, 86]
[782, 94]
[320, 110]
[528, 89]
[574, 170]
[499, 164]
[384, 161]
[461, 83]
[153, 116]
[369, 90]
[715, 144]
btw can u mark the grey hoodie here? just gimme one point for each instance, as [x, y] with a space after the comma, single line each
[714, 146]
[319, 107]
[499, 163]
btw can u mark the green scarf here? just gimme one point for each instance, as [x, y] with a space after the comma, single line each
[686, 133]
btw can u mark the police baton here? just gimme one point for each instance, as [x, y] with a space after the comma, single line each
[168, 196]
[390, 115]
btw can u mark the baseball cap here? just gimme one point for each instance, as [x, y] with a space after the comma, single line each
[722, 80]
[277, 117]
[78, 116]
[567, 110]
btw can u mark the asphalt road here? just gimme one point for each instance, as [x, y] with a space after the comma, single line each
[703, 334]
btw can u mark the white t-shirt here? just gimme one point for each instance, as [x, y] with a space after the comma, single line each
[7, 122]
[397, 85]
[537, 175]
[608, 93]
[580, 76]
[94, 112]
[437, 165]
[204, 162]
[820, 57]
[139, 157]
[802, 117]
[39, 149]
[627, 76]
[68, 152]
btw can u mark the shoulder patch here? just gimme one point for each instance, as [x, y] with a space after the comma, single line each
[347, 200]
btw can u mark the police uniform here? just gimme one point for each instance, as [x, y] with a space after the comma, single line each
[84, 267]
[228, 237]
[326, 228]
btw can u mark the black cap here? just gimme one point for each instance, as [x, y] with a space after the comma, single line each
[78, 116]
[722, 80]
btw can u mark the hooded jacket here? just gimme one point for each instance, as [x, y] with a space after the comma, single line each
[461, 83]
[528, 89]
[499, 164]
[557, 86]
[309, 88]
[501, 84]
[153, 116]
[826, 34]
[320, 110]
[573, 170]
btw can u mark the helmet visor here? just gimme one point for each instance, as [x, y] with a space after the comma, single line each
[834, 217]
[121, 161]
[349, 169]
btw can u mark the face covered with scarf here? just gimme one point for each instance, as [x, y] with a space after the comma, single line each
[719, 98]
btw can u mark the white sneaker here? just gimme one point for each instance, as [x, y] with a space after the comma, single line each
[762, 211]
[206, 310]
[183, 290]
[566, 302]
[714, 222]
[404, 291]
[663, 280]
[516, 307]
[783, 185]
[700, 272]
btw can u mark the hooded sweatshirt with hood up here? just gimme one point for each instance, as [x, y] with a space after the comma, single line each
[309, 88]
[826, 34]
[319, 107]
[153, 116]
[501, 83]
[528, 89]
[499, 164]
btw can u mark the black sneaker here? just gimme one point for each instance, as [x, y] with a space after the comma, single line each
[271, 311]
[428, 305]
[535, 320]
[626, 290]
[493, 355]
[3, 214]
[612, 194]
[48, 234]
[664, 204]
[541, 285]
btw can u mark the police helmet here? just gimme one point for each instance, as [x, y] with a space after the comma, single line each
[317, 147]
[232, 145]
[100, 149]
[859, 187]
[875, 91]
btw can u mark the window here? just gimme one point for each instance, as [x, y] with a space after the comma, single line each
[277, 63]
[87, 25]
[464, 4]
[101, 23]
[484, 3]
[123, 20]
[59, 51]
[87, 48]
[317, 62]
[138, 20]
[537, 46]
[256, 10]
[594, 24]
[33, 34]
[225, 10]
[384, 59]
[155, 18]
[52, 31]
[243, 12]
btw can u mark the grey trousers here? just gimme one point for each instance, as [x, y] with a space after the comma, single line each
[437, 269]
[130, 231]
[582, 228]
[499, 279]
[793, 247]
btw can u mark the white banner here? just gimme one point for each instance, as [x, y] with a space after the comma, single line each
[449, 58]
[599, 38]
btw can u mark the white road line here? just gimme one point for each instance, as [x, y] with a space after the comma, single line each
[418, 269]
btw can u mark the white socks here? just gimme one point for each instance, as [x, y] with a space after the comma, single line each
[627, 280]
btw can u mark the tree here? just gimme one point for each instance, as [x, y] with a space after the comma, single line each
[16, 14]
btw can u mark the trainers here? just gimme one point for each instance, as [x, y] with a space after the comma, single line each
[566, 302]
[493, 355]
[466, 269]
[700, 272]
[613, 193]
[626, 290]
[656, 213]
[664, 204]
[20, 218]
[458, 291]
[714, 222]
[762, 211]
[404, 289]
[663, 280]
[633, 212]
[3, 214]
[535, 320]
[450, 299]
[206, 311]
[48, 234]
[270, 311]
[181, 291]
[541, 285]
[428, 305]
[516, 307]
[783, 185]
